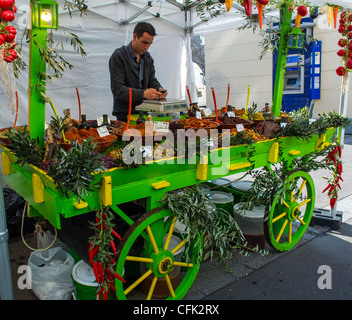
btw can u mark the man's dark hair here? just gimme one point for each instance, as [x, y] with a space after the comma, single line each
[142, 27]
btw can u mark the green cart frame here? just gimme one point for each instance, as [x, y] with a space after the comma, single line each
[285, 225]
[118, 186]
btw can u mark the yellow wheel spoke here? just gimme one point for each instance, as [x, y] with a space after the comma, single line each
[304, 202]
[152, 240]
[301, 188]
[180, 245]
[169, 285]
[183, 264]
[285, 204]
[291, 197]
[139, 259]
[281, 231]
[167, 242]
[301, 221]
[137, 282]
[279, 217]
[152, 286]
[290, 232]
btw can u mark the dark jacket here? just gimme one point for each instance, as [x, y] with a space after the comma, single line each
[123, 76]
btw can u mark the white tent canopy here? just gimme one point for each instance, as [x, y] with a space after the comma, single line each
[108, 25]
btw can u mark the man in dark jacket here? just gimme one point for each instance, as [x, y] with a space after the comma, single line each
[132, 66]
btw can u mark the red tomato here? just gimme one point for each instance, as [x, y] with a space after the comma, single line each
[7, 15]
[6, 4]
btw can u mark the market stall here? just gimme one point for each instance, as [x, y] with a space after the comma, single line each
[127, 193]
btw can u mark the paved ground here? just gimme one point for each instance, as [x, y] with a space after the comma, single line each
[290, 276]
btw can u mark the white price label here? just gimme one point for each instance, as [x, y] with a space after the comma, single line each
[103, 131]
[99, 121]
[207, 112]
[230, 114]
[283, 124]
[239, 127]
[312, 120]
[198, 115]
[161, 126]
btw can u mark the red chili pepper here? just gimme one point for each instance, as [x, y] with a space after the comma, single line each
[112, 287]
[340, 151]
[112, 244]
[105, 294]
[332, 202]
[331, 154]
[339, 167]
[117, 276]
[101, 271]
[115, 234]
[327, 188]
[91, 252]
[96, 271]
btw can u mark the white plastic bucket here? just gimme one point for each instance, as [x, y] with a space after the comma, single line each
[251, 224]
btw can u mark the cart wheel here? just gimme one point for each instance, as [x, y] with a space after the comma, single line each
[158, 259]
[289, 217]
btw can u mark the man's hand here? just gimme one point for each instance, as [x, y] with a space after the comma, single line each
[163, 93]
[152, 94]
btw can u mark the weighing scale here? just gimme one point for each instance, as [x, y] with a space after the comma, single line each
[163, 106]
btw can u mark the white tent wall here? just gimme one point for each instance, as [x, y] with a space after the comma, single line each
[101, 31]
[232, 57]
[101, 34]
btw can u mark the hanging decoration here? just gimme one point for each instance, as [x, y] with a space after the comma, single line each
[7, 32]
[301, 12]
[260, 5]
[345, 43]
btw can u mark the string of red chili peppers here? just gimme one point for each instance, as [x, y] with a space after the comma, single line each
[102, 252]
[333, 161]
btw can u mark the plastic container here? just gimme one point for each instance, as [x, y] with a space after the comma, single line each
[181, 228]
[84, 281]
[242, 186]
[221, 182]
[239, 188]
[223, 200]
[251, 224]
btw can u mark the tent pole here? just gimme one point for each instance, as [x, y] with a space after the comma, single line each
[6, 291]
[345, 82]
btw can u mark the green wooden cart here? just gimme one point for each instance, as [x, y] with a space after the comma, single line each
[285, 226]
[118, 186]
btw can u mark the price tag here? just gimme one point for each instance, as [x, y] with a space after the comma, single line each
[239, 127]
[198, 115]
[283, 124]
[230, 114]
[207, 112]
[161, 126]
[312, 120]
[146, 151]
[99, 121]
[103, 131]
